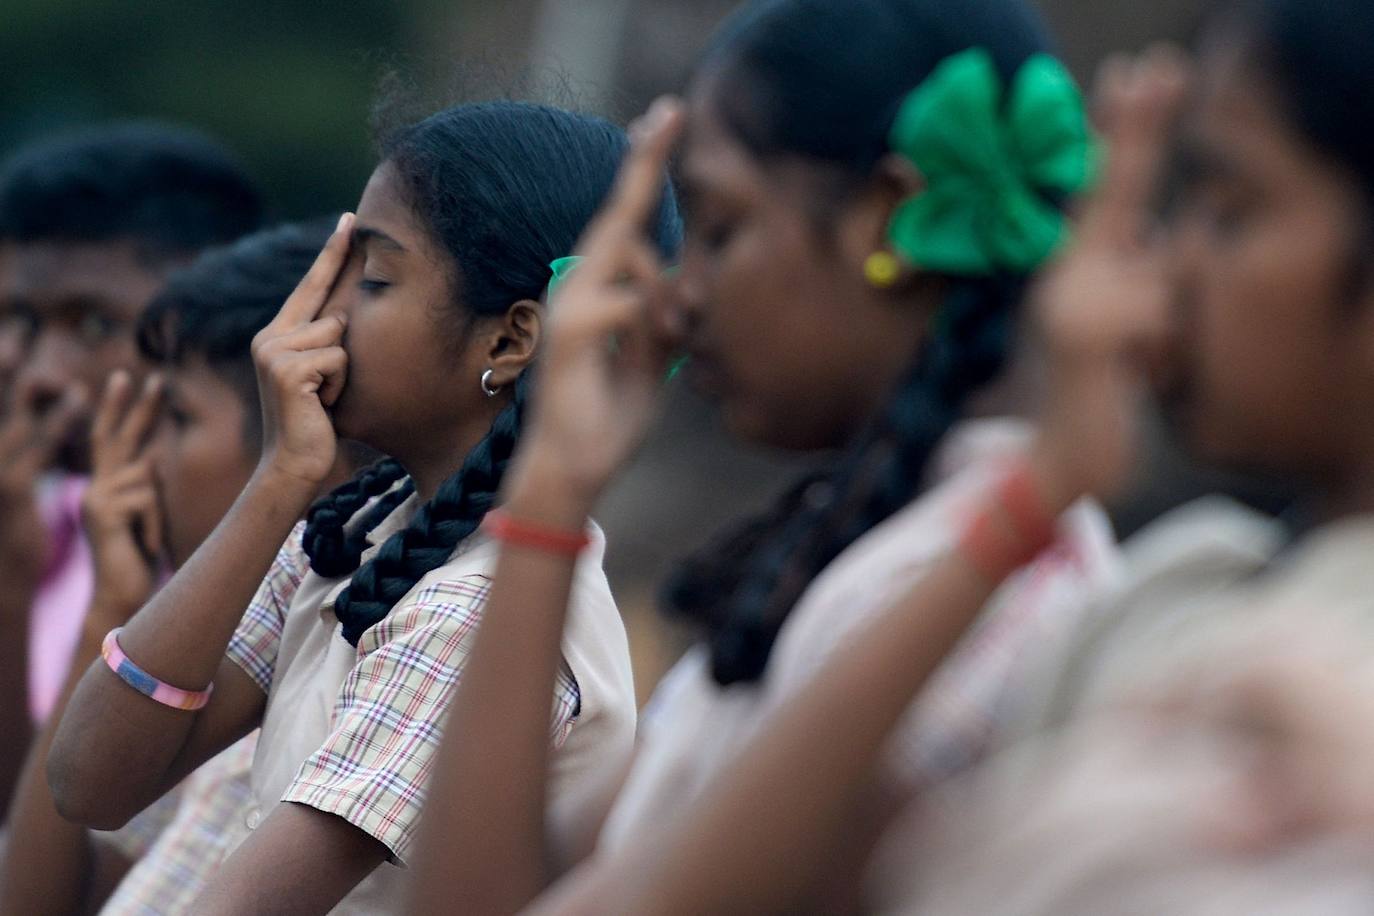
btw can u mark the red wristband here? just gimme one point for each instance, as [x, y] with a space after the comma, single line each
[509, 530]
[1019, 496]
[1010, 529]
[988, 547]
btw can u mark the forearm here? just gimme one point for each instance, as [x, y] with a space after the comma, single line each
[774, 816]
[16, 601]
[50, 871]
[298, 861]
[484, 845]
[113, 737]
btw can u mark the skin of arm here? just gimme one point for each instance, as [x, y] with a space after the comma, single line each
[28, 444]
[494, 784]
[751, 844]
[777, 812]
[298, 861]
[52, 868]
[16, 598]
[59, 867]
[485, 840]
[117, 751]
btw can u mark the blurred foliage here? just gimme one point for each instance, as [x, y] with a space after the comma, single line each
[287, 84]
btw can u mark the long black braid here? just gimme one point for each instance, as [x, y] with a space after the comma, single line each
[437, 528]
[334, 551]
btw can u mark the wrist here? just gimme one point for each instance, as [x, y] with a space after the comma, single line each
[279, 484]
[540, 492]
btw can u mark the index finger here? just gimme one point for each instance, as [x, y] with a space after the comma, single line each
[1139, 100]
[310, 294]
[113, 400]
[639, 183]
[139, 420]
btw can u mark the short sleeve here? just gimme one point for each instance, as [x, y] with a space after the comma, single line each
[375, 766]
[255, 643]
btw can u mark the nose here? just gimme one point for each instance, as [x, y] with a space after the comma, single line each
[53, 367]
[689, 292]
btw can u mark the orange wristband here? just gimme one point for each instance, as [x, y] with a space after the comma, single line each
[509, 530]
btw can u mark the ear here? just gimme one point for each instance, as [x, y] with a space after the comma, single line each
[862, 229]
[514, 341]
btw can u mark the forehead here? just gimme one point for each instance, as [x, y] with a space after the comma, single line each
[193, 380]
[55, 275]
[385, 206]
[1238, 126]
[712, 157]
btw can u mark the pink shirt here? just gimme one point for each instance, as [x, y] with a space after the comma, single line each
[63, 593]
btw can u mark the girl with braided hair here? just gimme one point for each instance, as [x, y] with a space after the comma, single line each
[869, 186]
[415, 333]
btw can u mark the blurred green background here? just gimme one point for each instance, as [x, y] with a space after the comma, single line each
[289, 83]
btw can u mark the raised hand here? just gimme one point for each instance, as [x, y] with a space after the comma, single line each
[120, 508]
[302, 367]
[1105, 304]
[610, 337]
[29, 441]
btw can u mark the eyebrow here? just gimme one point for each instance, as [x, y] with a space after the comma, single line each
[365, 234]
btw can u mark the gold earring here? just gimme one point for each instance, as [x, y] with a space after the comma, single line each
[882, 269]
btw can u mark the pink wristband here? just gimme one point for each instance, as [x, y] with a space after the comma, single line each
[144, 682]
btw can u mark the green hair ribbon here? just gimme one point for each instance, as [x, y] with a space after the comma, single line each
[560, 269]
[987, 162]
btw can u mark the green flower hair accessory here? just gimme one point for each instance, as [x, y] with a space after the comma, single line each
[564, 266]
[987, 162]
[560, 269]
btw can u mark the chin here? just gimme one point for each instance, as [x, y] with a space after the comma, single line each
[770, 429]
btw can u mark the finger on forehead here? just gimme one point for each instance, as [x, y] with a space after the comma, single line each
[1141, 113]
[112, 402]
[640, 182]
[310, 294]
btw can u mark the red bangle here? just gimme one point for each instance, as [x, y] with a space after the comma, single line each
[987, 547]
[1010, 529]
[1019, 496]
[502, 527]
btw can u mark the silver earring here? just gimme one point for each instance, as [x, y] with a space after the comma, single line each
[486, 385]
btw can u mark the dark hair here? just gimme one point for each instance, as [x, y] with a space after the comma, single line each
[1318, 56]
[505, 188]
[821, 82]
[170, 190]
[213, 307]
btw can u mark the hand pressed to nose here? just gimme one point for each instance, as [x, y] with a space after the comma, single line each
[302, 367]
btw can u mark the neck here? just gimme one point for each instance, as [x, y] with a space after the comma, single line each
[1350, 494]
[435, 457]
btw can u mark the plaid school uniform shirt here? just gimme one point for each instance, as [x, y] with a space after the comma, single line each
[168, 877]
[353, 731]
